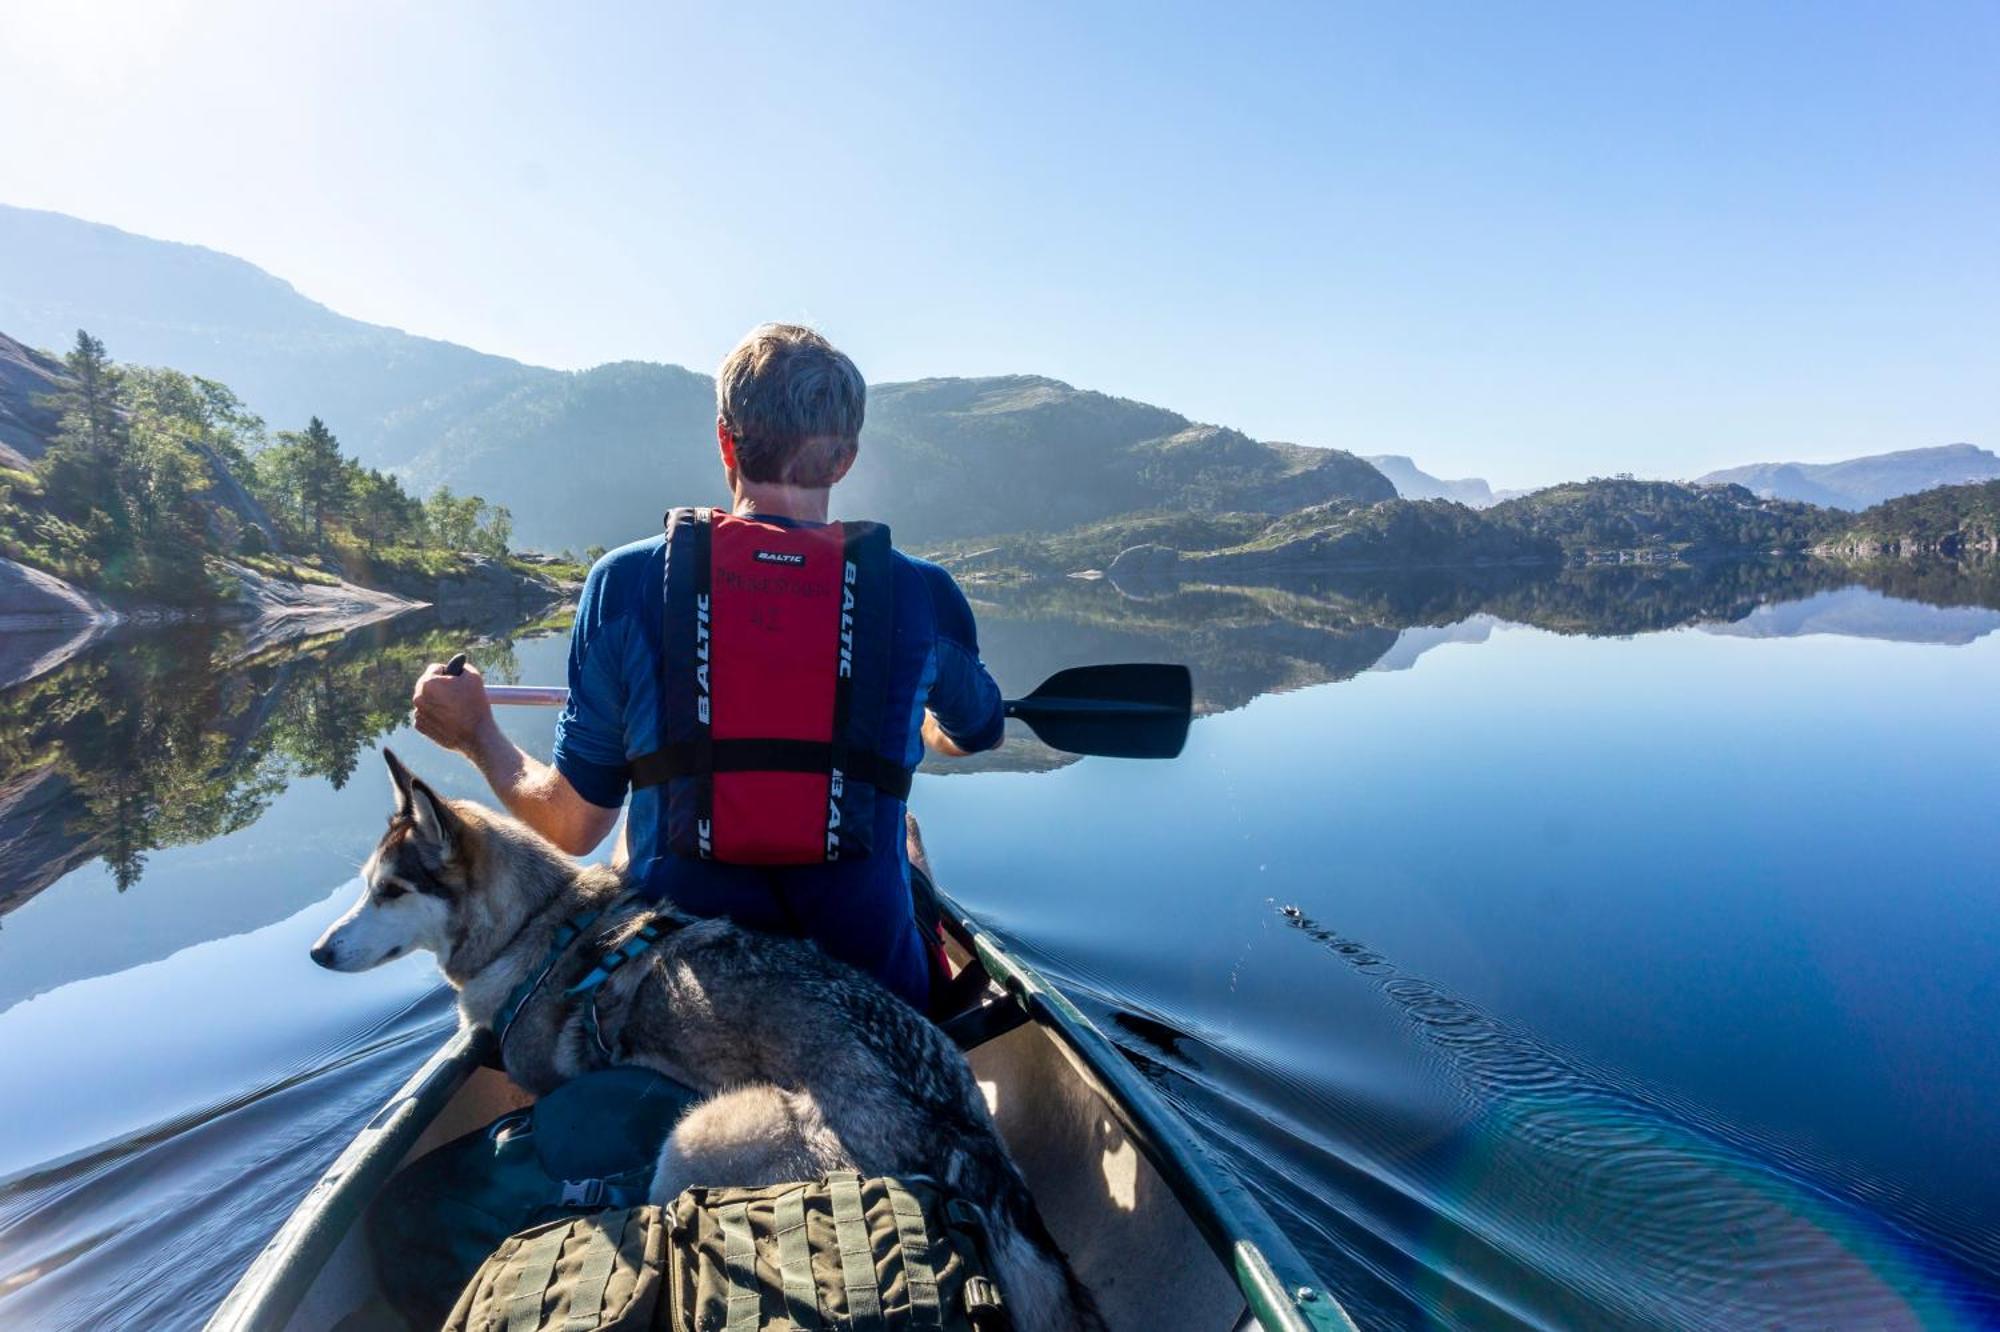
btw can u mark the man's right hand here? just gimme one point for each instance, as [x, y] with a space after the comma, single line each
[452, 709]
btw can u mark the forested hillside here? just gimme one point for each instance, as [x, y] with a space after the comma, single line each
[1621, 514]
[1950, 521]
[145, 484]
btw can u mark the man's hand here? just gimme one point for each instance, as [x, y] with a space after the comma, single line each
[452, 709]
[935, 737]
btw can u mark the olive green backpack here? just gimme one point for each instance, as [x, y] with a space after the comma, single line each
[847, 1253]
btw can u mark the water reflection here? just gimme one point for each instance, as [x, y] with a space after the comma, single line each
[1246, 642]
[174, 736]
[1446, 1164]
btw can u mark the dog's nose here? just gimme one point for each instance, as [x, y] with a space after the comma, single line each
[323, 954]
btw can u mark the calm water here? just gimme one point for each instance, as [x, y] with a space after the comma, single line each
[1609, 950]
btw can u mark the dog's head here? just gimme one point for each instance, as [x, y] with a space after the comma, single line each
[410, 886]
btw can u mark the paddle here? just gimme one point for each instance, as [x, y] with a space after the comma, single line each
[1129, 710]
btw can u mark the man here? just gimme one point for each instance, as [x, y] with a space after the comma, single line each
[763, 681]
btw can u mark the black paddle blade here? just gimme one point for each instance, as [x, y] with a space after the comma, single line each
[1136, 710]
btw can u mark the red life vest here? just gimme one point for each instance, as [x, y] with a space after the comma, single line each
[774, 688]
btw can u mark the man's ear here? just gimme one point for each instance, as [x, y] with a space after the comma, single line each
[845, 465]
[435, 823]
[399, 780]
[725, 444]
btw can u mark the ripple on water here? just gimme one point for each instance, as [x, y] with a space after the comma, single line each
[1553, 1194]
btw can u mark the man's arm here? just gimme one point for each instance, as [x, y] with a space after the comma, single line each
[965, 713]
[453, 710]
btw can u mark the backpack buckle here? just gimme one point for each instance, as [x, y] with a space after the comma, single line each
[583, 1193]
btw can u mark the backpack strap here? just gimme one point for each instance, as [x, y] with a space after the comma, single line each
[600, 1257]
[984, 1308]
[538, 1268]
[788, 1222]
[914, 1239]
[739, 1258]
[857, 1257]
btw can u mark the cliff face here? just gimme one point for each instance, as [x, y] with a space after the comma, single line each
[26, 421]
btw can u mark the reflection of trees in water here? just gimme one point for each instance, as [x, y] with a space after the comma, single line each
[1246, 641]
[170, 738]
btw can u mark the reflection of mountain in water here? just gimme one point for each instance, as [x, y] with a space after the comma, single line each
[1860, 612]
[1244, 642]
[174, 736]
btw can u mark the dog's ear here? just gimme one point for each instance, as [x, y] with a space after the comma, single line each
[435, 823]
[399, 781]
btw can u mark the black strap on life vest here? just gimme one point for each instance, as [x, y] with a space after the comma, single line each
[689, 758]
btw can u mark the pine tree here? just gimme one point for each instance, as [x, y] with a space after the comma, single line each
[85, 459]
[319, 474]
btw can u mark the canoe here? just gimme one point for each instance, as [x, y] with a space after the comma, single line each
[1164, 1235]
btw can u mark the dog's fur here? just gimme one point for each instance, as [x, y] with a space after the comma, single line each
[808, 1065]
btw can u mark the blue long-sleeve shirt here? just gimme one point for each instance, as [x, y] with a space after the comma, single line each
[857, 910]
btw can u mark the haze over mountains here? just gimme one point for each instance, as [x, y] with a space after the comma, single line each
[1412, 482]
[1857, 483]
[591, 457]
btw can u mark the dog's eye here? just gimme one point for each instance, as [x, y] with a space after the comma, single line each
[389, 892]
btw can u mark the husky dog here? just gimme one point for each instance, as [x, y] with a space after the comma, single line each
[807, 1064]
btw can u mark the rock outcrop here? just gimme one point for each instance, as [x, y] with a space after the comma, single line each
[27, 378]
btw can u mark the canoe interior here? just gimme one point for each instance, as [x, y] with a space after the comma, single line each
[1161, 1234]
[1121, 1225]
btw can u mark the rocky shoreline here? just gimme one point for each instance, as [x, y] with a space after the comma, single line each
[45, 621]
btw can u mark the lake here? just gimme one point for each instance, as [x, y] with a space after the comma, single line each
[1613, 948]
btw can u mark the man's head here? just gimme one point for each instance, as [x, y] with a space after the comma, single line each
[788, 409]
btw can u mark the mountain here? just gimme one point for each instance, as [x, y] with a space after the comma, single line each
[943, 458]
[593, 457]
[160, 303]
[1413, 483]
[1860, 482]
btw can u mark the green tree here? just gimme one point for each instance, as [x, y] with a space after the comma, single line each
[384, 513]
[453, 521]
[320, 475]
[82, 465]
[495, 531]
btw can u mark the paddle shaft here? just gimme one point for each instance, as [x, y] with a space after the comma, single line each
[1122, 711]
[556, 696]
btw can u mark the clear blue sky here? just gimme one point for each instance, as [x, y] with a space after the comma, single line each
[1522, 241]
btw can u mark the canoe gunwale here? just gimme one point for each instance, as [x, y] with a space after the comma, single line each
[1283, 1292]
[271, 1289]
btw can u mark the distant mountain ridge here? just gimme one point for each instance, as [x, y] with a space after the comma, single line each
[1857, 483]
[205, 313]
[1413, 483]
[593, 457]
